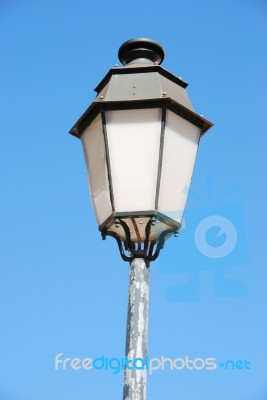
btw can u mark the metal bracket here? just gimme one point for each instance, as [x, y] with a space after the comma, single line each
[148, 250]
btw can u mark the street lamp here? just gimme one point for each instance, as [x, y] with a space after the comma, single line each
[140, 138]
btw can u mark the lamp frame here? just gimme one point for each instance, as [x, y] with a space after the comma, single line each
[155, 88]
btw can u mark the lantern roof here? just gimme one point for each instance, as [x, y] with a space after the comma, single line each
[141, 86]
[141, 83]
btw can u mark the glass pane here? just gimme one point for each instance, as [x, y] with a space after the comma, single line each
[179, 153]
[95, 157]
[133, 140]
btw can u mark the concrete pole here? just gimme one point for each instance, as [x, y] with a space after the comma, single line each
[137, 330]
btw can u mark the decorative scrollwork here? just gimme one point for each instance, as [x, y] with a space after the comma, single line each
[150, 249]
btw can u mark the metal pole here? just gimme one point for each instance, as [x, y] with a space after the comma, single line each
[137, 331]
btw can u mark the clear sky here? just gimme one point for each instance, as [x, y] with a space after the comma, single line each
[63, 290]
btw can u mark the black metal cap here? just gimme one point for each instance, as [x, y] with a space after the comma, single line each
[141, 48]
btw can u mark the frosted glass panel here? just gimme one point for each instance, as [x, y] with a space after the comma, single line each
[180, 148]
[133, 140]
[95, 157]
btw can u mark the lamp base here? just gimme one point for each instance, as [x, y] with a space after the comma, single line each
[140, 235]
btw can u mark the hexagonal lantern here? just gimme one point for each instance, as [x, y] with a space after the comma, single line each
[140, 138]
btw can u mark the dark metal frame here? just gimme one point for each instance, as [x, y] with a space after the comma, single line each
[159, 89]
[148, 250]
[161, 145]
[98, 107]
[140, 214]
[104, 127]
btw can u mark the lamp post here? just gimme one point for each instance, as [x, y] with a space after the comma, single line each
[140, 138]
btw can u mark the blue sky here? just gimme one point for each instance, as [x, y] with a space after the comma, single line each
[63, 290]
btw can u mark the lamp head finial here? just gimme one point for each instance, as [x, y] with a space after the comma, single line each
[141, 50]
